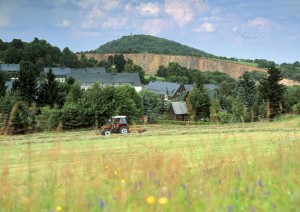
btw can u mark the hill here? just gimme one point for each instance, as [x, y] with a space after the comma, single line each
[149, 44]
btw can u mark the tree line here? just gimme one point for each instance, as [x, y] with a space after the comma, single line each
[38, 101]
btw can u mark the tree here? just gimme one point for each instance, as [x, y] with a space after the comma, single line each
[131, 67]
[214, 109]
[200, 101]
[150, 104]
[128, 102]
[272, 91]
[49, 90]
[239, 109]
[118, 61]
[291, 97]
[247, 90]
[26, 83]
[74, 94]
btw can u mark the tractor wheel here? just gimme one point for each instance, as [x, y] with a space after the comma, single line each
[107, 133]
[123, 130]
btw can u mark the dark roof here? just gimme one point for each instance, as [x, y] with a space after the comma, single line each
[58, 70]
[95, 70]
[65, 70]
[163, 88]
[188, 87]
[180, 108]
[109, 78]
[9, 67]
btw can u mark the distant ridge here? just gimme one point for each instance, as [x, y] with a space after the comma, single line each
[149, 44]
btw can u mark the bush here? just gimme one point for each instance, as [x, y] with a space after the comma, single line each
[49, 118]
[296, 108]
[225, 117]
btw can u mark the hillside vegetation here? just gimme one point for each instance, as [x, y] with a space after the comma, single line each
[149, 44]
[171, 51]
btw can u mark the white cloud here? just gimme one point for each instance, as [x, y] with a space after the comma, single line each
[235, 28]
[108, 5]
[64, 23]
[259, 22]
[154, 26]
[149, 9]
[205, 27]
[93, 18]
[180, 11]
[115, 23]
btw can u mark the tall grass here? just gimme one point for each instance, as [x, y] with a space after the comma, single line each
[169, 168]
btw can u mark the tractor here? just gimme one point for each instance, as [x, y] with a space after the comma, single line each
[117, 124]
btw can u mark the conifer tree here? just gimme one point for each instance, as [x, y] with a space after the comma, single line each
[272, 91]
[26, 83]
[49, 91]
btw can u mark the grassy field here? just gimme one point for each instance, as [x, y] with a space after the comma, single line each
[243, 167]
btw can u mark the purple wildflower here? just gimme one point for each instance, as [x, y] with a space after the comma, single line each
[259, 183]
[184, 186]
[230, 209]
[102, 204]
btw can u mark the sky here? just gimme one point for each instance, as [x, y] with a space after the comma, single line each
[244, 29]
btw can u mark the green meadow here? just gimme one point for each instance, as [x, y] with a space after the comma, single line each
[240, 167]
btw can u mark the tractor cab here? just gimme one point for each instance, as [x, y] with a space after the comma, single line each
[117, 124]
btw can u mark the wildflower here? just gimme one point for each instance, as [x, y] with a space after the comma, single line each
[230, 209]
[102, 203]
[259, 183]
[122, 181]
[58, 208]
[116, 172]
[150, 200]
[163, 200]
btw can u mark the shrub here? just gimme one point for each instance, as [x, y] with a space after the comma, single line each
[296, 108]
[225, 117]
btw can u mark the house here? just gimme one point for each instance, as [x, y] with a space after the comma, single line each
[11, 69]
[86, 80]
[62, 72]
[59, 72]
[169, 90]
[210, 87]
[178, 111]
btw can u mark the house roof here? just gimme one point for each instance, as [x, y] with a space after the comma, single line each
[9, 67]
[180, 108]
[110, 78]
[65, 70]
[58, 70]
[163, 88]
[210, 87]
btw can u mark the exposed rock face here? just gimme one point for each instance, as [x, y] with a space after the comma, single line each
[151, 62]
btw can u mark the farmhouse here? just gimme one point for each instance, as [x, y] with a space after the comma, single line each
[178, 111]
[168, 90]
[11, 69]
[86, 80]
[210, 87]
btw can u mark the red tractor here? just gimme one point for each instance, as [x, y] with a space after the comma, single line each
[117, 124]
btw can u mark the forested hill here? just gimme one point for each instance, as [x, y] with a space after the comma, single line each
[149, 44]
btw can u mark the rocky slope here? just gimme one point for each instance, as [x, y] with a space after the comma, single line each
[151, 62]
